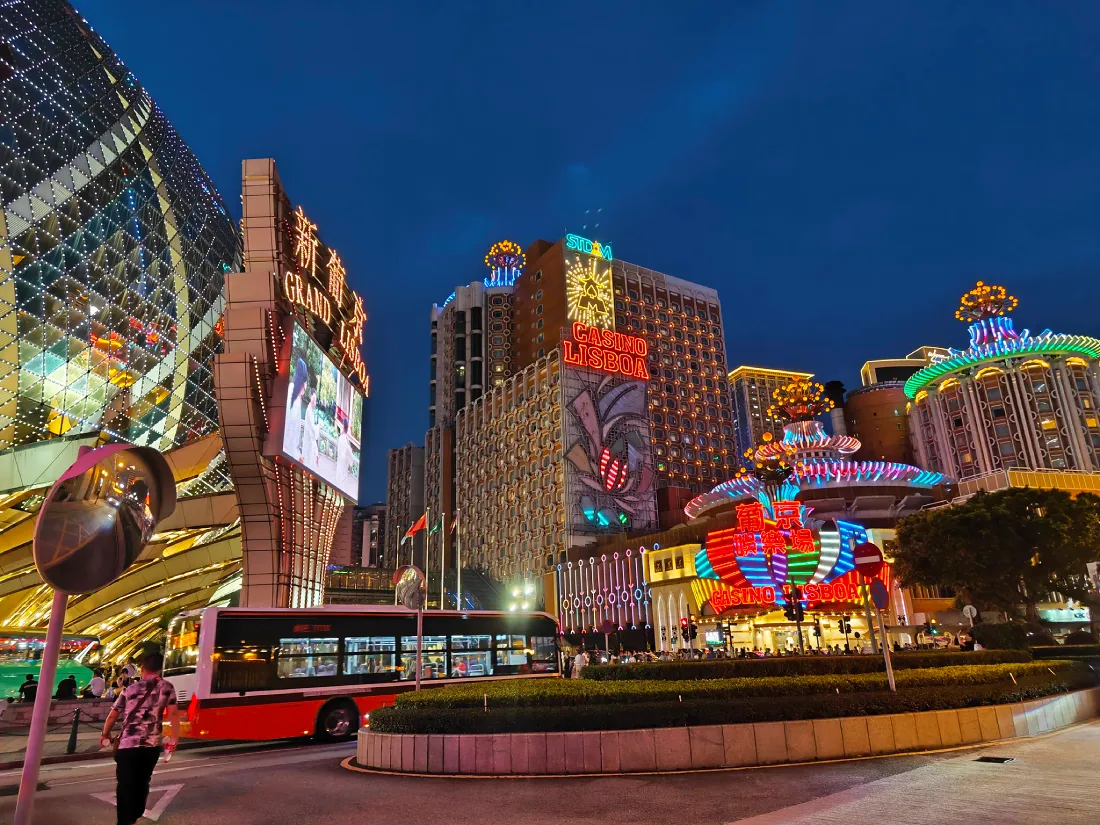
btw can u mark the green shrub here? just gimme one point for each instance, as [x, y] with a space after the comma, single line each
[1079, 637]
[797, 665]
[1065, 651]
[412, 718]
[1003, 636]
[574, 692]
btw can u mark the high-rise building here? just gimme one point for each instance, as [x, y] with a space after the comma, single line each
[368, 535]
[471, 351]
[511, 480]
[128, 318]
[681, 322]
[1011, 400]
[899, 369]
[404, 505]
[878, 416]
[751, 389]
[471, 345]
[114, 246]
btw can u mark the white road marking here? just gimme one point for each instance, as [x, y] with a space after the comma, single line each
[155, 812]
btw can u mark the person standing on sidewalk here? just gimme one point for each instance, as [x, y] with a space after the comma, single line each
[141, 707]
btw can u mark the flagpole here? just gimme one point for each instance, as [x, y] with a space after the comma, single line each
[458, 559]
[442, 550]
[427, 550]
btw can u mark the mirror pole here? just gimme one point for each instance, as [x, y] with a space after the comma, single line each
[40, 717]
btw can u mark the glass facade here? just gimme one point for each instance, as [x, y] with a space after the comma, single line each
[113, 246]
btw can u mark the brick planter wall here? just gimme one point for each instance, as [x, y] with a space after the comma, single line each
[718, 746]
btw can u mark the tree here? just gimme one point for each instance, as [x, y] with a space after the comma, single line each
[1005, 549]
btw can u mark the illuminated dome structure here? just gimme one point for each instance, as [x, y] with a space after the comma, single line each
[114, 246]
[816, 461]
[1010, 400]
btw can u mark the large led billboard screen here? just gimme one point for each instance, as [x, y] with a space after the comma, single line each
[324, 416]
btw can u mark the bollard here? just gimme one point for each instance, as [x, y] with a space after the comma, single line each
[71, 747]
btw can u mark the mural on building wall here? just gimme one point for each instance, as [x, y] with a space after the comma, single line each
[609, 472]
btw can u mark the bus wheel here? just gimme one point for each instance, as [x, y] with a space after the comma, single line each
[337, 721]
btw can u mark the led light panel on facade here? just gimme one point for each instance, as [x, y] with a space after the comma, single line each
[322, 425]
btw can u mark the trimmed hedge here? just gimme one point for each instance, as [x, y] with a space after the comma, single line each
[547, 693]
[797, 665]
[1000, 636]
[1062, 652]
[414, 719]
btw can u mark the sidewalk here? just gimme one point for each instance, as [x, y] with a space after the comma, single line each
[14, 742]
[1052, 779]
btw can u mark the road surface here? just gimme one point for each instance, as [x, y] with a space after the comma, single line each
[1050, 780]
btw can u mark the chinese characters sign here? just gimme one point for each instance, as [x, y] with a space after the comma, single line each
[606, 351]
[318, 285]
[754, 533]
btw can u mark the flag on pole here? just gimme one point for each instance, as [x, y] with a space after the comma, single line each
[417, 527]
[454, 521]
[435, 528]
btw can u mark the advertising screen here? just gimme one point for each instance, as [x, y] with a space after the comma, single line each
[324, 415]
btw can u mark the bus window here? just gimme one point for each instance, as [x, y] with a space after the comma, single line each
[544, 656]
[434, 661]
[241, 667]
[471, 656]
[370, 655]
[181, 653]
[511, 653]
[301, 658]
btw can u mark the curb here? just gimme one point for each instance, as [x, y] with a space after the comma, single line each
[349, 764]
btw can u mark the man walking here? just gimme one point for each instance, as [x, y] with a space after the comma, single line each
[141, 707]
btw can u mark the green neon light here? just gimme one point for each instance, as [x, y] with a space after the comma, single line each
[1047, 344]
[588, 247]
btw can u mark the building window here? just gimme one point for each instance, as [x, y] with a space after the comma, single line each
[538, 310]
[538, 275]
[539, 324]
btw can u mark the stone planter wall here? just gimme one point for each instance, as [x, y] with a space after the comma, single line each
[17, 714]
[717, 746]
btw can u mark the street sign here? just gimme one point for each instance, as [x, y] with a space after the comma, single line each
[879, 596]
[868, 559]
[608, 626]
[970, 611]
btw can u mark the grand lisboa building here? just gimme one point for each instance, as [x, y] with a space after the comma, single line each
[1010, 403]
[114, 245]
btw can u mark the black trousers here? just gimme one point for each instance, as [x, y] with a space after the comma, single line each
[133, 770]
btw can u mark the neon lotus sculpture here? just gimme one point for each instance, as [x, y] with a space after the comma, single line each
[814, 458]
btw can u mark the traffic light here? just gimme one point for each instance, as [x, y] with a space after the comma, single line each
[793, 609]
[694, 630]
[927, 628]
[684, 630]
[845, 624]
[817, 630]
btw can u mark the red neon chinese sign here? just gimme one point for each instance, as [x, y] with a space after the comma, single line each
[606, 351]
[754, 533]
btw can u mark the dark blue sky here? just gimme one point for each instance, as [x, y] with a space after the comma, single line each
[840, 172]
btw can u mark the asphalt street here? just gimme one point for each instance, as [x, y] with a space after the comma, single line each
[303, 783]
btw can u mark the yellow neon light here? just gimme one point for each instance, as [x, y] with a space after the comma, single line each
[588, 292]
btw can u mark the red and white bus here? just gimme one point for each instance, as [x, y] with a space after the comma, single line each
[274, 673]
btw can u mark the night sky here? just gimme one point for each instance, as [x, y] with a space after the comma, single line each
[840, 172]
